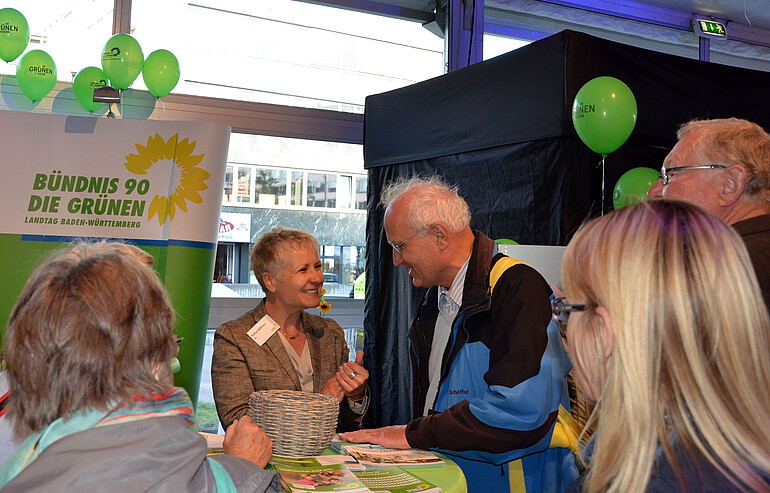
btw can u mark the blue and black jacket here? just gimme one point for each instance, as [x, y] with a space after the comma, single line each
[503, 380]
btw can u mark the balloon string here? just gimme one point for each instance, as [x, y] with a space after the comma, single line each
[158, 100]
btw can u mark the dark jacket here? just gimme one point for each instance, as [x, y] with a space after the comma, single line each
[755, 233]
[700, 476]
[503, 378]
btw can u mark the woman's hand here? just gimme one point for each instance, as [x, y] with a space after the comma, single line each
[352, 377]
[246, 440]
[333, 389]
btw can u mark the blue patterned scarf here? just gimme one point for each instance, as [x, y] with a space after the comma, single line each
[173, 402]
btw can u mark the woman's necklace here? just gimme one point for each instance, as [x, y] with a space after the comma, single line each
[286, 334]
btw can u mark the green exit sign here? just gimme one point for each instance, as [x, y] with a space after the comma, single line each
[710, 28]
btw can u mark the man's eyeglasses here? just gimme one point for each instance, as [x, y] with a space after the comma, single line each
[399, 247]
[562, 310]
[664, 172]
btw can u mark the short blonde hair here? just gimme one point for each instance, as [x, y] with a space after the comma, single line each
[92, 326]
[691, 333]
[269, 252]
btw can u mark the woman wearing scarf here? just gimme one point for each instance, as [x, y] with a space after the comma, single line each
[88, 350]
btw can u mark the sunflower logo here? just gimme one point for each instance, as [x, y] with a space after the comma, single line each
[188, 178]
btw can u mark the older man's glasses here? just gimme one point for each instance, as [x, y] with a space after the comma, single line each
[399, 247]
[562, 310]
[665, 172]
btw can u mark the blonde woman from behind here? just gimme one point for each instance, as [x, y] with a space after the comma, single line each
[668, 333]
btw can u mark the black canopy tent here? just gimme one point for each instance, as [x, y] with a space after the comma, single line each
[502, 131]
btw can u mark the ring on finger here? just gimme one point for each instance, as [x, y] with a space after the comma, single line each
[352, 375]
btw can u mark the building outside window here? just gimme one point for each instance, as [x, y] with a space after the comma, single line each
[281, 182]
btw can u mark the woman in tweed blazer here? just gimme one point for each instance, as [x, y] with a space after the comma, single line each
[306, 352]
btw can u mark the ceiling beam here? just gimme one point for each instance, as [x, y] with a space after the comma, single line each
[632, 10]
[391, 8]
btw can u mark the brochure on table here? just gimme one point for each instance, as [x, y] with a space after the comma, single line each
[321, 473]
[342, 473]
[375, 455]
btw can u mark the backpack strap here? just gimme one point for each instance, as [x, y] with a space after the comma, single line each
[501, 265]
[222, 478]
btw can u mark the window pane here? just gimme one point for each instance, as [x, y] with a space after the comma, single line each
[268, 51]
[331, 190]
[344, 192]
[331, 257]
[361, 184]
[228, 184]
[269, 187]
[316, 190]
[296, 188]
[72, 32]
[244, 184]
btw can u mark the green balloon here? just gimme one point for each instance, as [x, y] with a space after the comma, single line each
[122, 60]
[633, 185]
[36, 74]
[14, 34]
[160, 72]
[84, 84]
[604, 114]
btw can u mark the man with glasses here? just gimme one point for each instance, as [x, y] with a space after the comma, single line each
[489, 368]
[723, 165]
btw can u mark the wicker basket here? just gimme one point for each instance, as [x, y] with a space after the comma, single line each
[298, 423]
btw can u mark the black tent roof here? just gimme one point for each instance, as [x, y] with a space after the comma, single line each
[527, 94]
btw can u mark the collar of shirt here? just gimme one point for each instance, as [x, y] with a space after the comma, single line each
[455, 291]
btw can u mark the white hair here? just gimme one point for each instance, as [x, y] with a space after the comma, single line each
[434, 201]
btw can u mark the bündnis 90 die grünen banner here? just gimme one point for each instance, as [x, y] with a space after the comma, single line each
[155, 184]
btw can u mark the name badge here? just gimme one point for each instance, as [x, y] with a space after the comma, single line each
[262, 330]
